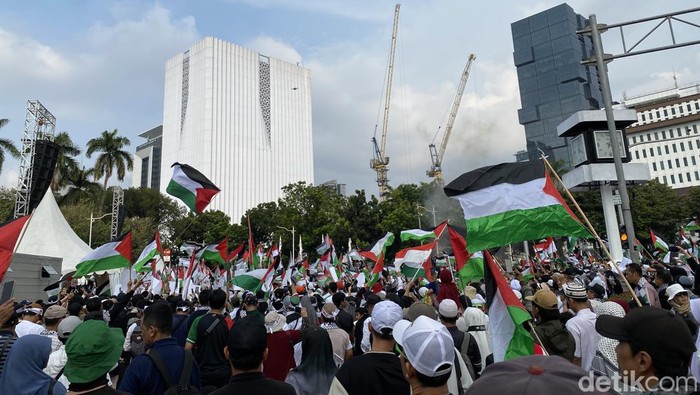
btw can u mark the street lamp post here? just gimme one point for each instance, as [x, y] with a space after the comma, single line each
[290, 230]
[93, 219]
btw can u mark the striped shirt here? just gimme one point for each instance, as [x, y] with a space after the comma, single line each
[7, 340]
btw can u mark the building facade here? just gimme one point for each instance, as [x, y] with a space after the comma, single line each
[241, 118]
[553, 84]
[666, 136]
[147, 160]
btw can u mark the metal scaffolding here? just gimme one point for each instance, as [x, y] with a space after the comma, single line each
[39, 124]
[117, 203]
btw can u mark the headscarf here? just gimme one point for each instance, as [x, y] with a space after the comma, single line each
[606, 346]
[448, 289]
[23, 372]
[317, 369]
[474, 317]
[310, 309]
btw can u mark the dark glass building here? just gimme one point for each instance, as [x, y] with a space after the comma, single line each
[553, 83]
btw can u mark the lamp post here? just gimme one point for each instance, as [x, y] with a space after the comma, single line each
[289, 230]
[433, 211]
[93, 219]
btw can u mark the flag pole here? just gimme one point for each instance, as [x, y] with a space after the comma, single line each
[590, 228]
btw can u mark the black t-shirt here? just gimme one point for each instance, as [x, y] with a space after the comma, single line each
[209, 349]
[373, 373]
[254, 383]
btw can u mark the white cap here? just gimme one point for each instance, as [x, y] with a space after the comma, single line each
[385, 315]
[518, 294]
[422, 291]
[382, 294]
[448, 308]
[515, 284]
[427, 344]
[674, 290]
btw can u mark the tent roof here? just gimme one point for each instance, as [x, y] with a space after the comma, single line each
[49, 234]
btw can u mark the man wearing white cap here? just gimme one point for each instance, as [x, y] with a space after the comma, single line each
[379, 370]
[582, 326]
[427, 355]
[464, 342]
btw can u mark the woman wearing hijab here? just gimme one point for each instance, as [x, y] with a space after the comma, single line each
[23, 374]
[476, 323]
[317, 369]
[680, 303]
[605, 359]
[448, 289]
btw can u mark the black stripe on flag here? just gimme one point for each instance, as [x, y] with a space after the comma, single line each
[510, 173]
[194, 175]
[489, 279]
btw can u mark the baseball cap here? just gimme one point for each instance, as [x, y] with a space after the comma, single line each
[534, 374]
[93, 349]
[575, 291]
[544, 299]
[385, 315]
[448, 308]
[674, 290]
[247, 336]
[427, 344]
[421, 309]
[67, 326]
[55, 312]
[643, 327]
[249, 298]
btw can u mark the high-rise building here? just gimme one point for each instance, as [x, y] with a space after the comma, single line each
[666, 135]
[339, 188]
[147, 160]
[553, 83]
[241, 118]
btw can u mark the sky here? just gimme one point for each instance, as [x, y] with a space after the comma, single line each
[99, 65]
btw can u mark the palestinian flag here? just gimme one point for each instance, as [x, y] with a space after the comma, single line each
[192, 187]
[113, 255]
[215, 252]
[250, 281]
[506, 316]
[415, 261]
[379, 247]
[546, 248]
[9, 234]
[459, 249]
[473, 270]
[152, 250]
[423, 234]
[376, 270]
[512, 202]
[693, 225]
[658, 243]
[235, 254]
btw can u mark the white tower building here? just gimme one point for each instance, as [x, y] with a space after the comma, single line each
[241, 118]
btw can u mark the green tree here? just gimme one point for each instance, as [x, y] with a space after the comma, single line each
[6, 145]
[7, 203]
[208, 227]
[65, 163]
[78, 216]
[112, 155]
[656, 206]
[80, 186]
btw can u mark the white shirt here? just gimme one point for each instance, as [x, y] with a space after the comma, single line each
[127, 339]
[28, 328]
[582, 328]
[365, 345]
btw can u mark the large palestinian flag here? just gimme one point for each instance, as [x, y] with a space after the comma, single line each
[151, 251]
[192, 187]
[113, 255]
[379, 247]
[215, 252]
[512, 202]
[414, 261]
[469, 267]
[423, 234]
[254, 279]
[506, 316]
[9, 234]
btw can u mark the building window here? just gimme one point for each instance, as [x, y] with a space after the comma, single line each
[658, 114]
[665, 180]
[634, 139]
[636, 154]
[692, 160]
[695, 127]
[680, 177]
[662, 165]
[644, 153]
[651, 151]
[656, 136]
[682, 147]
[678, 162]
[687, 131]
[643, 118]
[697, 176]
[653, 166]
[663, 134]
[670, 133]
[666, 147]
[675, 149]
[670, 166]
[685, 162]
[697, 143]
[687, 175]
[673, 179]
[665, 113]
[697, 105]
[688, 107]
[641, 138]
[673, 110]
[658, 150]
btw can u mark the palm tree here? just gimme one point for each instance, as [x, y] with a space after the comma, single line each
[80, 185]
[66, 163]
[111, 155]
[6, 145]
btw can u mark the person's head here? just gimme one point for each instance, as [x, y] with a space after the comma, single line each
[75, 309]
[246, 345]
[217, 299]
[53, 316]
[449, 312]
[371, 300]
[66, 327]
[421, 309]
[32, 313]
[93, 349]
[250, 301]
[655, 344]
[329, 312]
[93, 304]
[385, 315]
[274, 322]
[204, 297]
[426, 350]
[182, 308]
[677, 295]
[544, 305]
[333, 287]
[157, 322]
[576, 297]
[339, 300]
[595, 291]
[317, 351]
[633, 273]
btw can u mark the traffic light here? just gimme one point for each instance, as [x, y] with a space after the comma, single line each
[623, 237]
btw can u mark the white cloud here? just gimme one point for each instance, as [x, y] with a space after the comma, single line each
[25, 57]
[9, 177]
[271, 47]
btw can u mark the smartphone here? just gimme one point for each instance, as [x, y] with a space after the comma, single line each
[7, 291]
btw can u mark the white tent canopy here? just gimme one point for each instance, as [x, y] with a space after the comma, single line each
[49, 234]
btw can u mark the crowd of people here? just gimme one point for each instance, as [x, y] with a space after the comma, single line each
[400, 336]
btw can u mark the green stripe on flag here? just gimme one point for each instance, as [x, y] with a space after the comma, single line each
[183, 194]
[522, 343]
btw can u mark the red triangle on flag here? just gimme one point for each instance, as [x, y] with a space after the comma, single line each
[124, 247]
[9, 234]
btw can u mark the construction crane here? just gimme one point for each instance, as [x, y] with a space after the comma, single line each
[380, 161]
[435, 170]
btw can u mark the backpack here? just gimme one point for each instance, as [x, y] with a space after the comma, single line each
[183, 386]
[136, 344]
[463, 348]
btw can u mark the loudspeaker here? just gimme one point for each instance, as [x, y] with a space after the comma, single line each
[43, 166]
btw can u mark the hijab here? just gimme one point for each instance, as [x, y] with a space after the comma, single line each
[23, 374]
[317, 369]
[448, 289]
[606, 346]
[474, 317]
